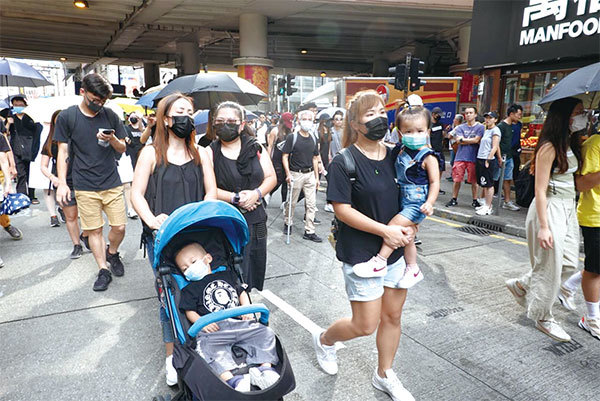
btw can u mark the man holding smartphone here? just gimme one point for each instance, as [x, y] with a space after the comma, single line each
[90, 137]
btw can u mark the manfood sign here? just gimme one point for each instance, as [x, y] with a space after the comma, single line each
[555, 11]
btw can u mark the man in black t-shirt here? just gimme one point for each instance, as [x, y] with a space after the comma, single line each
[301, 161]
[92, 137]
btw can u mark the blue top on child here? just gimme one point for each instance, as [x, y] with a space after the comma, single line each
[413, 181]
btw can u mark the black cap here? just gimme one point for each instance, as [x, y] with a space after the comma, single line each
[492, 114]
[437, 110]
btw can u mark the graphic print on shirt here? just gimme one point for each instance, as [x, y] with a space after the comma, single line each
[219, 295]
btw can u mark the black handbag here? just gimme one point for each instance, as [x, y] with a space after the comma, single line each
[22, 147]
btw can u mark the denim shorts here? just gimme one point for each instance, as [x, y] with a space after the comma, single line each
[412, 200]
[370, 289]
[508, 170]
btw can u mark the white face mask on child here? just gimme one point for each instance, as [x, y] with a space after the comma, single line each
[197, 270]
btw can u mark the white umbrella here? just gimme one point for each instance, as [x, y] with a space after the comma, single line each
[42, 108]
[330, 111]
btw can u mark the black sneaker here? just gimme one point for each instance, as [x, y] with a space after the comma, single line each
[442, 192]
[54, 221]
[77, 252]
[315, 220]
[475, 203]
[452, 202]
[312, 237]
[114, 263]
[285, 228]
[104, 278]
[35, 201]
[14, 232]
[61, 216]
[417, 241]
[85, 241]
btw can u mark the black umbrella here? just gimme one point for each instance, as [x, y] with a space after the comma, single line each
[208, 90]
[583, 84]
[14, 73]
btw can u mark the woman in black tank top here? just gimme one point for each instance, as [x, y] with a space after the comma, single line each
[170, 173]
[244, 175]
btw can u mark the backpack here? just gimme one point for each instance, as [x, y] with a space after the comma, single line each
[524, 187]
[294, 139]
[350, 166]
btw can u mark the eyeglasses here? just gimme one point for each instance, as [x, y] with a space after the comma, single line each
[221, 121]
[98, 102]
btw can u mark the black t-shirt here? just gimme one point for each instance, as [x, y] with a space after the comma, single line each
[4, 147]
[2, 127]
[374, 194]
[303, 151]
[134, 146]
[215, 292]
[505, 139]
[94, 166]
[437, 136]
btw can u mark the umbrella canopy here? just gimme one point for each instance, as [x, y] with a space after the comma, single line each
[330, 111]
[42, 108]
[14, 73]
[208, 90]
[583, 84]
[128, 104]
[147, 100]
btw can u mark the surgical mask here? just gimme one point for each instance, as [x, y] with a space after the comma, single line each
[18, 109]
[579, 123]
[133, 120]
[306, 125]
[414, 142]
[376, 128]
[197, 270]
[227, 132]
[182, 126]
[94, 107]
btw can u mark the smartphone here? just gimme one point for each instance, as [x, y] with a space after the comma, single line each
[108, 131]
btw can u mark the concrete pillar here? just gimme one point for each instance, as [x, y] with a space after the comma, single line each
[464, 38]
[151, 75]
[253, 64]
[190, 60]
[380, 67]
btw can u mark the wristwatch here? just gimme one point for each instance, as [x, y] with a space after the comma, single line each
[236, 198]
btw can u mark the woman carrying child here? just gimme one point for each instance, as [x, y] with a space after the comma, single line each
[172, 172]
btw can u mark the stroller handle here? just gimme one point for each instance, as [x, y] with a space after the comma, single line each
[228, 313]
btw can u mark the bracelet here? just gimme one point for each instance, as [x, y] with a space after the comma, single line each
[260, 195]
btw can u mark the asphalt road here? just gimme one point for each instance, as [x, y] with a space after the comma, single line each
[464, 337]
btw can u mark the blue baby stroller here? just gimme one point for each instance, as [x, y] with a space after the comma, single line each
[223, 231]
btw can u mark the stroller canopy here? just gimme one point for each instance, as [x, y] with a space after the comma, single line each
[200, 215]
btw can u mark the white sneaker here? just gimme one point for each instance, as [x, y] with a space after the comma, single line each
[282, 207]
[567, 298]
[484, 211]
[325, 354]
[1, 263]
[392, 386]
[592, 326]
[132, 214]
[481, 201]
[244, 384]
[510, 206]
[374, 267]
[553, 330]
[412, 275]
[264, 379]
[171, 372]
[329, 208]
[516, 291]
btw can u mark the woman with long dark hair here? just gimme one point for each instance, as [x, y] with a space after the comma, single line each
[171, 172]
[276, 137]
[552, 229]
[244, 175]
[69, 209]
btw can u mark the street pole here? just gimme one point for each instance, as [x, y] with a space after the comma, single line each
[406, 73]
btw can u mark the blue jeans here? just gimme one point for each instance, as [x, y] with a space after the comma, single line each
[167, 331]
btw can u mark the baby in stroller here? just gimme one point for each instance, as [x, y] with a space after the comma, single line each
[214, 290]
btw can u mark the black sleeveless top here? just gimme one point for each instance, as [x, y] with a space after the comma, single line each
[171, 186]
[245, 173]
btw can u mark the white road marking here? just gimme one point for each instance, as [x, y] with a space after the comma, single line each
[295, 314]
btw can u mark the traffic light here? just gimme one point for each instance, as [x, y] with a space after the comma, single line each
[399, 74]
[416, 72]
[290, 90]
[281, 87]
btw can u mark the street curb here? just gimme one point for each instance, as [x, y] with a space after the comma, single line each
[493, 223]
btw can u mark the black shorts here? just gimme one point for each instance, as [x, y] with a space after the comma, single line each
[591, 245]
[485, 175]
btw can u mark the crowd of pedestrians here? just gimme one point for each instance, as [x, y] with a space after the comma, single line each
[381, 184]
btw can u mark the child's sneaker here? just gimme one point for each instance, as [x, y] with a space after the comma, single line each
[171, 372]
[263, 377]
[374, 267]
[243, 385]
[412, 275]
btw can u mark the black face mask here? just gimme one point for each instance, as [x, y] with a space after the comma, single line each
[133, 120]
[376, 128]
[227, 132]
[94, 107]
[182, 126]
